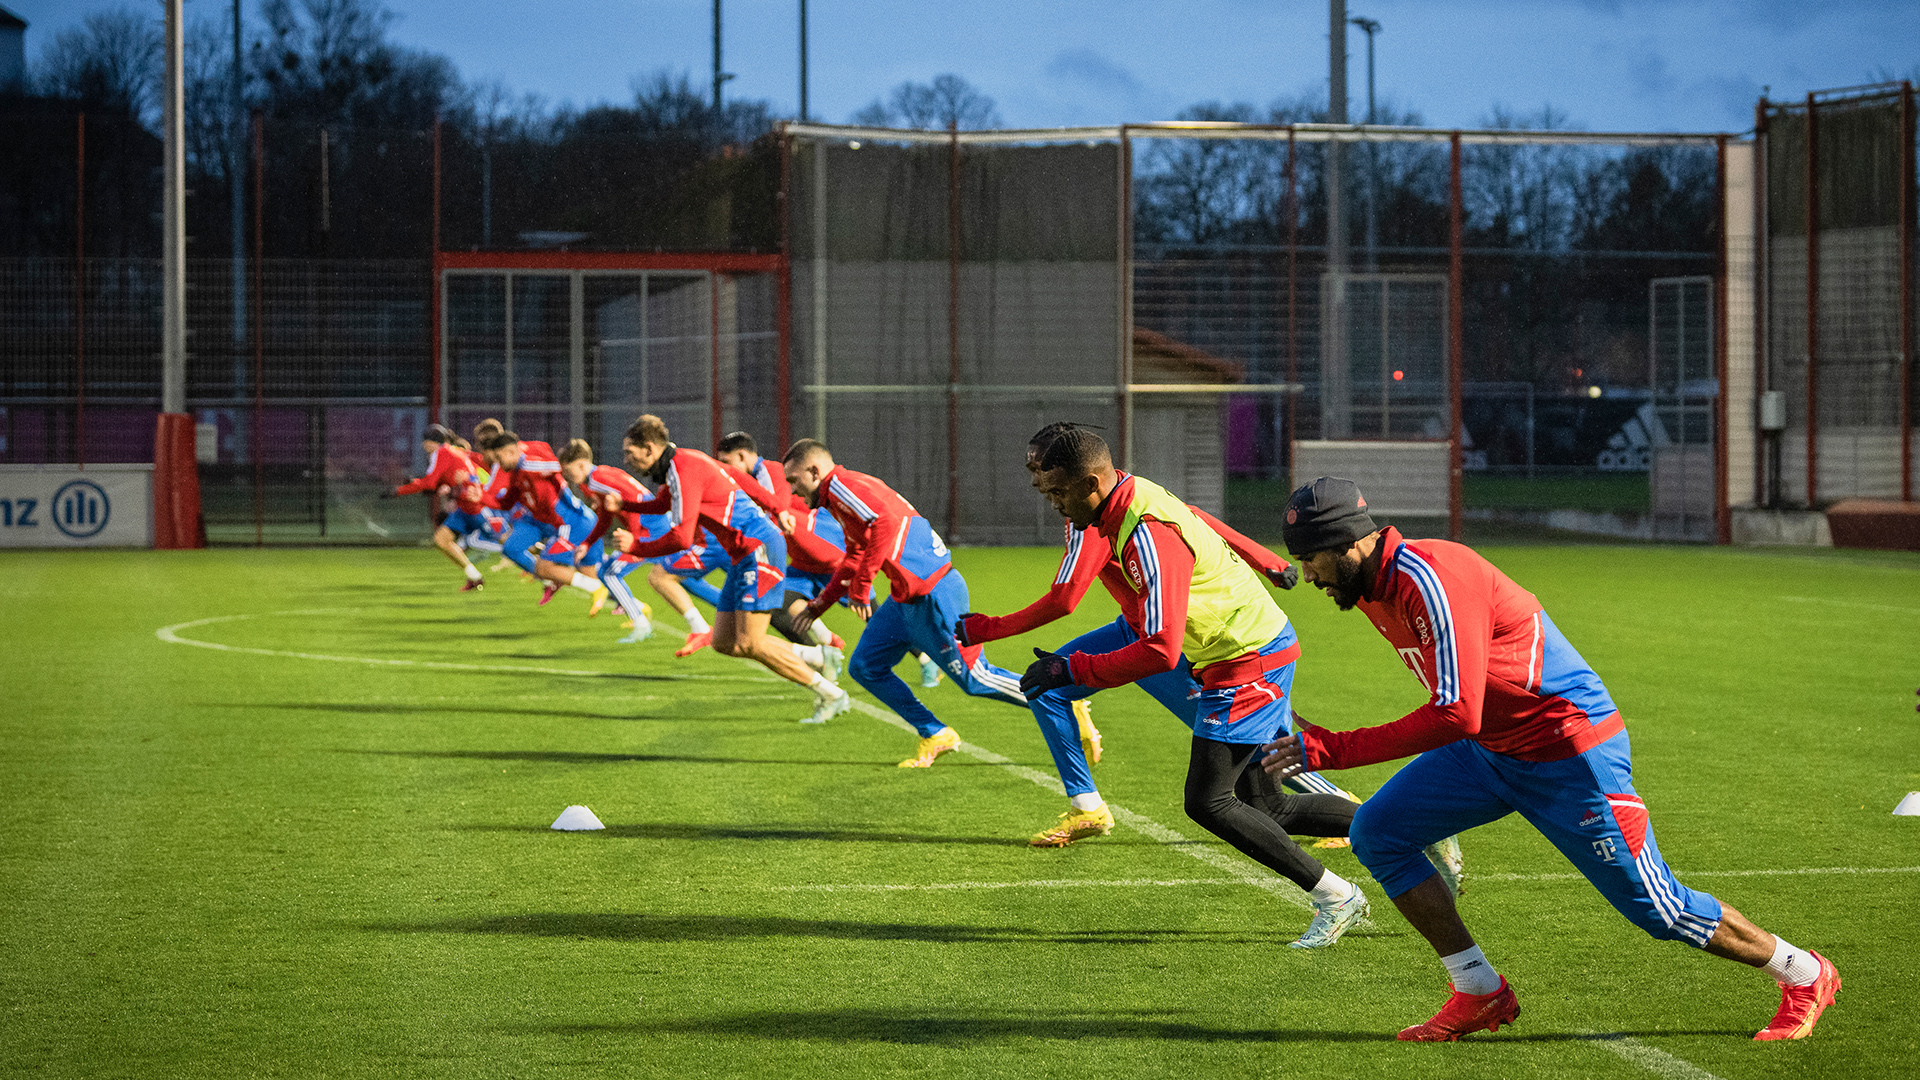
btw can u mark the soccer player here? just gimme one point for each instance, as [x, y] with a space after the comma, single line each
[554, 516]
[1082, 564]
[608, 492]
[1195, 619]
[696, 491]
[884, 533]
[452, 466]
[1517, 721]
[739, 450]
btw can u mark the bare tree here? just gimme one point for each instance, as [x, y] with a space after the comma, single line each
[948, 101]
[112, 60]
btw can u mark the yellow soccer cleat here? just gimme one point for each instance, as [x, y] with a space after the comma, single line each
[1075, 825]
[932, 747]
[1089, 735]
[599, 601]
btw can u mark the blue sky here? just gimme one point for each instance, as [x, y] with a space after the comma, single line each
[1659, 65]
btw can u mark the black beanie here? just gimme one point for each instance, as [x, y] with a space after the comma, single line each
[1328, 513]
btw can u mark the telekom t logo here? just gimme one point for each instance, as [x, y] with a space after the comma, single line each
[1411, 657]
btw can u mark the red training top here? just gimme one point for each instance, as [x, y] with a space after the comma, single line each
[698, 492]
[1499, 672]
[807, 551]
[535, 483]
[453, 468]
[876, 521]
[605, 481]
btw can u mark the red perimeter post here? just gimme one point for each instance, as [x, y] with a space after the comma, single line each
[953, 328]
[1906, 289]
[1813, 306]
[257, 437]
[433, 292]
[783, 292]
[80, 292]
[1722, 513]
[1456, 342]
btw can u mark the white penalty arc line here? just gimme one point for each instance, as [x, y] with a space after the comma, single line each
[1795, 872]
[1131, 883]
[1650, 1058]
[171, 635]
[1852, 604]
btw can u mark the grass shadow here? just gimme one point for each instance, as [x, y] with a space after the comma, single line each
[583, 757]
[630, 926]
[409, 710]
[787, 834]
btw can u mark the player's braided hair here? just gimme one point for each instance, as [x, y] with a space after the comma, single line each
[576, 450]
[1067, 445]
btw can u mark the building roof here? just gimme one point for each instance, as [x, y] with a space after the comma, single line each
[1158, 358]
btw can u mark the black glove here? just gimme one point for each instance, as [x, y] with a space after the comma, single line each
[1287, 578]
[960, 633]
[389, 494]
[1049, 672]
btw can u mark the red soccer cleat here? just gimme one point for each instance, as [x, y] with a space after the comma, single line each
[1467, 1013]
[1801, 1006]
[547, 593]
[473, 584]
[695, 642]
[835, 641]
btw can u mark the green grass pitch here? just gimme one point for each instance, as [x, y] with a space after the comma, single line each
[230, 863]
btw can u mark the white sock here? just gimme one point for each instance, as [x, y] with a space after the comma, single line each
[923, 658]
[1089, 800]
[808, 654]
[819, 633]
[826, 690]
[473, 572]
[1470, 972]
[1791, 966]
[1330, 889]
[696, 622]
[584, 582]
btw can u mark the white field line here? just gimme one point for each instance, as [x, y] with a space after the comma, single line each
[1242, 872]
[1651, 1059]
[1852, 604]
[1806, 871]
[171, 635]
[1062, 883]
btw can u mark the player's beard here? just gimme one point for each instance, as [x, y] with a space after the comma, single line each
[1349, 582]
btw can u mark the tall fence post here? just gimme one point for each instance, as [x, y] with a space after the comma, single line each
[433, 291]
[783, 284]
[1124, 374]
[953, 328]
[1722, 510]
[1813, 305]
[256, 438]
[1456, 342]
[1906, 289]
[1293, 292]
[80, 291]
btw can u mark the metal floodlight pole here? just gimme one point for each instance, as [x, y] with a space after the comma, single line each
[1456, 342]
[1813, 305]
[803, 61]
[173, 290]
[1371, 27]
[719, 76]
[1906, 288]
[1336, 114]
[80, 290]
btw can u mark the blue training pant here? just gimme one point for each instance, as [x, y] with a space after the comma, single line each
[1585, 805]
[1177, 690]
[529, 530]
[925, 625]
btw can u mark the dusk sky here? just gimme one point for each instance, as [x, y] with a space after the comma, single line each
[1607, 64]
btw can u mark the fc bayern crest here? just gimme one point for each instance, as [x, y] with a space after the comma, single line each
[1293, 516]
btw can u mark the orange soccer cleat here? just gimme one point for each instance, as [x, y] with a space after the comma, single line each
[1801, 1006]
[1467, 1013]
[695, 642]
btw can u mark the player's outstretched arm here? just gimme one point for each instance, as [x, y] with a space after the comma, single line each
[1079, 568]
[1255, 554]
[1161, 568]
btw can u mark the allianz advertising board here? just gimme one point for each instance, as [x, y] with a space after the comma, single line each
[66, 506]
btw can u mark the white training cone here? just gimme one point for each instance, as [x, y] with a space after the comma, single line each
[1909, 806]
[577, 819]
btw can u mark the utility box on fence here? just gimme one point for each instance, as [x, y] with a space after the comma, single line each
[47, 506]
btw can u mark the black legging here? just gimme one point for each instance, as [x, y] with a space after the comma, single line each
[783, 622]
[1244, 807]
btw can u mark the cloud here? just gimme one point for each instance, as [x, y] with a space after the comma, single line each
[1093, 71]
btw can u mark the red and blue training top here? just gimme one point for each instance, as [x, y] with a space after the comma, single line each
[698, 492]
[1499, 672]
[454, 468]
[606, 484]
[535, 483]
[884, 534]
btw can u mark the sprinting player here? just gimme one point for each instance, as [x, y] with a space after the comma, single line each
[608, 492]
[483, 433]
[815, 546]
[884, 533]
[1082, 564]
[679, 577]
[1517, 722]
[819, 647]
[695, 491]
[460, 471]
[1191, 608]
[553, 518]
